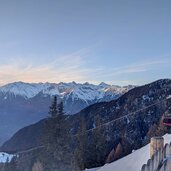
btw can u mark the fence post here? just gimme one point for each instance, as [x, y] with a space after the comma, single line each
[170, 148]
[155, 162]
[157, 154]
[149, 165]
[167, 150]
[160, 155]
[155, 144]
[164, 151]
[158, 158]
[144, 168]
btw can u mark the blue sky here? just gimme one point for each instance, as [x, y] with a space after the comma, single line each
[115, 41]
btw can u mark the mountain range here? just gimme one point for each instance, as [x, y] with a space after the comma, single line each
[22, 103]
[128, 123]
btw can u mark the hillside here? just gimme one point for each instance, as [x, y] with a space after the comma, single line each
[30, 135]
[22, 104]
[121, 132]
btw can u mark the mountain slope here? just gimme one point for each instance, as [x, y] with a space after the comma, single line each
[31, 136]
[86, 91]
[75, 96]
[144, 124]
[22, 104]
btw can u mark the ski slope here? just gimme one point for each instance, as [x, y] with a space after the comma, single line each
[132, 162]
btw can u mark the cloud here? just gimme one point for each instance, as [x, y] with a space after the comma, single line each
[142, 66]
[74, 67]
[11, 73]
[64, 68]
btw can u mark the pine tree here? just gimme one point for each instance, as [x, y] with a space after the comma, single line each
[49, 133]
[58, 153]
[53, 109]
[61, 108]
[49, 128]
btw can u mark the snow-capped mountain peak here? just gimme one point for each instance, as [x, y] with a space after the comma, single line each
[26, 90]
[75, 96]
[84, 91]
[104, 85]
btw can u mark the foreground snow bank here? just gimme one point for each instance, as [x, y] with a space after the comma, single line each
[133, 161]
[4, 157]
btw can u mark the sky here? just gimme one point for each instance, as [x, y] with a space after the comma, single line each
[114, 41]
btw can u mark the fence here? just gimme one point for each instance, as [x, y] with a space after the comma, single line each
[157, 160]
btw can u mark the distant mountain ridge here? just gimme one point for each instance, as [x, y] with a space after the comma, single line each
[22, 104]
[87, 93]
[30, 90]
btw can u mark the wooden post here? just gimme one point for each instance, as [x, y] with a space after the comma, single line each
[155, 144]
[144, 167]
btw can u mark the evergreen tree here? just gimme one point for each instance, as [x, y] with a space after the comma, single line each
[49, 133]
[61, 108]
[57, 155]
[53, 109]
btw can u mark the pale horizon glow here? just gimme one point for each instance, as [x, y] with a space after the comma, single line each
[65, 70]
[116, 42]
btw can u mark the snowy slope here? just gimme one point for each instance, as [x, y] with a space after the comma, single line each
[4, 157]
[132, 162]
[86, 91]
[24, 89]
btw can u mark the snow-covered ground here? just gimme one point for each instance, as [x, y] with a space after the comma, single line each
[4, 157]
[132, 162]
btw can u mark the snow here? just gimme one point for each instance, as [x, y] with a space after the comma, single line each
[168, 97]
[133, 161]
[86, 91]
[24, 89]
[4, 157]
[146, 97]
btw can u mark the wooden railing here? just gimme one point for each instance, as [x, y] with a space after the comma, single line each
[158, 159]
